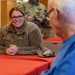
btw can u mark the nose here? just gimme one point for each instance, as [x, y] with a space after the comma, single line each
[17, 19]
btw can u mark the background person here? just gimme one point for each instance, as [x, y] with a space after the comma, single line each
[62, 19]
[36, 12]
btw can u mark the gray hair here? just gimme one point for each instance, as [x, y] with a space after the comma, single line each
[64, 5]
[67, 8]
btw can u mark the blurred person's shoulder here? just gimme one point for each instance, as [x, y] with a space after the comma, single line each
[5, 28]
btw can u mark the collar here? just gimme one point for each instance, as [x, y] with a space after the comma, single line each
[67, 45]
[20, 31]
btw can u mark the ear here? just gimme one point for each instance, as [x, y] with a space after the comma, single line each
[56, 13]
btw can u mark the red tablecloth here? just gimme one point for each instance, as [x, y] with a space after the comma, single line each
[53, 39]
[23, 64]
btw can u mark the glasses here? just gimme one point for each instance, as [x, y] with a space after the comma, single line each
[51, 11]
[17, 17]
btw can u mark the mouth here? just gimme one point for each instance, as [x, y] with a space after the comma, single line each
[17, 23]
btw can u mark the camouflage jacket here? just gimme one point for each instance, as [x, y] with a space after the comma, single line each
[34, 11]
[27, 38]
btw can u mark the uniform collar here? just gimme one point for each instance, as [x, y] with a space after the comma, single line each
[20, 31]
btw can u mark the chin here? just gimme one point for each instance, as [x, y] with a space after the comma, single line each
[17, 26]
[58, 34]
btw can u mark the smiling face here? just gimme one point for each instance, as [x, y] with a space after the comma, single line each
[17, 18]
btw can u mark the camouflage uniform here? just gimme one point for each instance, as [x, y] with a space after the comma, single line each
[23, 38]
[35, 11]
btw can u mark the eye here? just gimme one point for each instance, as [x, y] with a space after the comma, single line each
[15, 17]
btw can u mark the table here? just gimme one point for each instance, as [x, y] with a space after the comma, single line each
[23, 64]
[53, 39]
[53, 43]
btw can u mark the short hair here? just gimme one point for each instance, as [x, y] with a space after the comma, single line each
[17, 9]
[64, 5]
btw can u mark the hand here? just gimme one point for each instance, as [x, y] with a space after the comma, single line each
[42, 16]
[12, 50]
[30, 18]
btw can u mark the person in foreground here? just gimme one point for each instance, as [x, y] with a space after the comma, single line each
[20, 36]
[62, 19]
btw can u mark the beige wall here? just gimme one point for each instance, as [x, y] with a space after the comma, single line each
[10, 4]
[6, 5]
[3, 13]
[44, 2]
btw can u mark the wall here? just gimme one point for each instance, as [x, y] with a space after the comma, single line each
[10, 4]
[6, 5]
[3, 13]
[44, 2]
